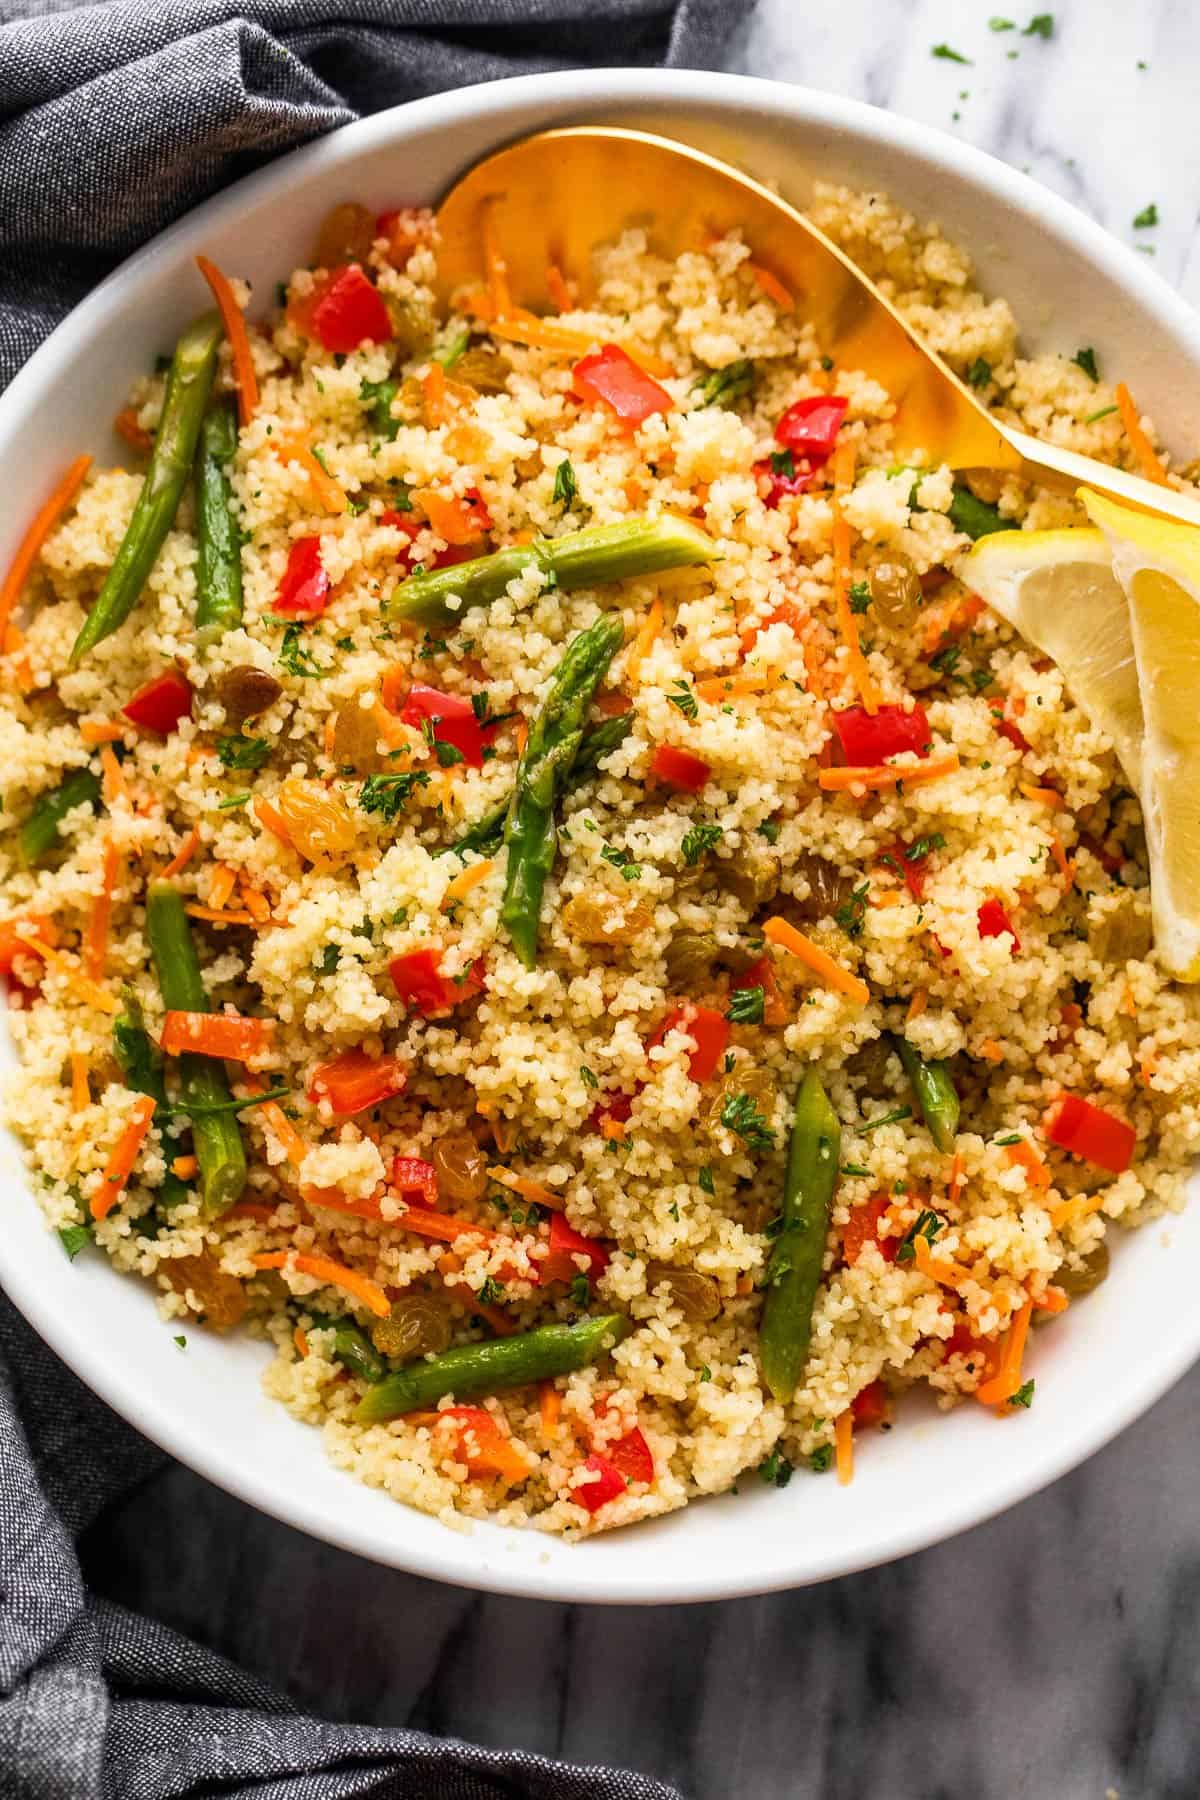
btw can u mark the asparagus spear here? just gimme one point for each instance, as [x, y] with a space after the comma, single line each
[794, 1271]
[487, 1368]
[581, 559]
[189, 384]
[141, 1066]
[216, 1136]
[936, 1094]
[353, 1349]
[219, 563]
[546, 762]
[486, 833]
[39, 834]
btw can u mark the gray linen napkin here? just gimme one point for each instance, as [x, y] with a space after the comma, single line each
[116, 118]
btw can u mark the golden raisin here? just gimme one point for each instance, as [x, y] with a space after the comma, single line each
[461, 1166]
[597, 916]
[319, 822]
[346, 236]
[221, 1297]
[895, 589]
[418, 1325]
[697, 1296]
[356, 737]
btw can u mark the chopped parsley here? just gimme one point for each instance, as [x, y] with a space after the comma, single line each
[860, 596]
[740, 1114]
[776, 1471]
[243, 752]
[294, 657]
[1023, 1395]
[746, 1006]
[888, 1118]
[447, 754]
[588, 1079]
[73, 1238]
[945, 54]
[705, 1372]
[1013, 1137]
[622, 859]
[580, 1290]
[699, 841]
[388, 795]
[851, 913]
[565, 485]
[927, 1226]
[1085, 359]
[491, 1291]
[182, 1342]
[924, 846]
[705, 1178]
[853, 1169]
[1101, 413]
[769, 829]
[683, 697]
[232, 801]
[1146, 218]
[783, 462]
[821, 1459]
[329, 958]
[378, 396]
[723, 385]
[980, 372]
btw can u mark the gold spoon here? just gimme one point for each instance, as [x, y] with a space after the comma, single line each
[553, 198]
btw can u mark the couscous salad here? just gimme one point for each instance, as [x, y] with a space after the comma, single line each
[532, 882]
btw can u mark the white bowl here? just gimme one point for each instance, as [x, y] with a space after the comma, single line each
[1097, 1368]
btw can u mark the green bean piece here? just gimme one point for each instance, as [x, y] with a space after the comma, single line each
[580, 559]
[487, 834]
[39, 835]
[488, 1368]
[354, 1349]
[935, 1093]
[794, 1271]
[189, 384]
[555, 733]
[216, 1135]
[138, 1059]
[976, 517]
[219, 561]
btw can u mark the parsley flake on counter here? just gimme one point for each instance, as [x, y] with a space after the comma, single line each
[1146, 218]
[73, 1238]
[1023, 1395]
[1086, 360]
[1041, 25]
[945, 54]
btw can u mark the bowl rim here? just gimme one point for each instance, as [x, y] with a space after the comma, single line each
[66, 1333]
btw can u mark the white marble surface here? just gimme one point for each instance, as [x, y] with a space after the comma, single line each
[1053, 1652]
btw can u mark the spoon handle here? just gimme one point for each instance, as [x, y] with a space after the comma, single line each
[1066, 470]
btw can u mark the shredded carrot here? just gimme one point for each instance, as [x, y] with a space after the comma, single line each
[918, 1003]
[1050, 1300]
[950, 619]
[1069, 1212]
[1129, 1002]
[433, 396]
[113, 785]
[95, 941]
[1007, 1379]
[1044, 796]
[1023, 1155]
[427, 1221]
[779, 931]
[505, 1132]
[135, 435]
[72, 974]
[300, 1339]
[1065, 867]
[716, 688]
[843, 476]
[772, 287]
[213, 916]
[45, 519]
[613, 1129]
[452, 517]
[258, 1210]
[499, 1321]
[891, 897]
[334, 1274]
[182, 856]
[268, 816]
[100, 731]
[239, 339]
[991, 1050]
[123, 1155]
[185, 1167]
[649, 629]
[549, 1409]
[1143, 450]
[957, 1179]
[528, 1190]
[469, 878]
[843, 1440]
[81, 1093]
[220, 888]
[557, 289]
[1147, 1069]
[296, 448]
[521, 735]
[521, 327]
[885, 775]
[290, 1141]
[942, 1269]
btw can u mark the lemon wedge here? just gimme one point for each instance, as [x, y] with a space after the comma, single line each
[1158, 565]
[1059, 590]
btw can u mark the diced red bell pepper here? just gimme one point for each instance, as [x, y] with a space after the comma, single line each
[862, 1228]
[617, 1107]
[480, 1443]
[1091, 1132]
[353, 1082]
[810, 427]
[406, 525]
[565, 1245]
[1008, 729]
[774, 484]
[871, 1405]
[304, 590]
[405, 228]
[608, 1483]
[418, 980]
[708, 1030]
[762, 974]
[993, 921]
[411, 1175]
[867, 738]
[631, 1456]
[612, 377]
[348, 311]
[230, 1036]
[453, 721]
[913, 869]
[679, 768]
[160, 703]
[784, 612]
